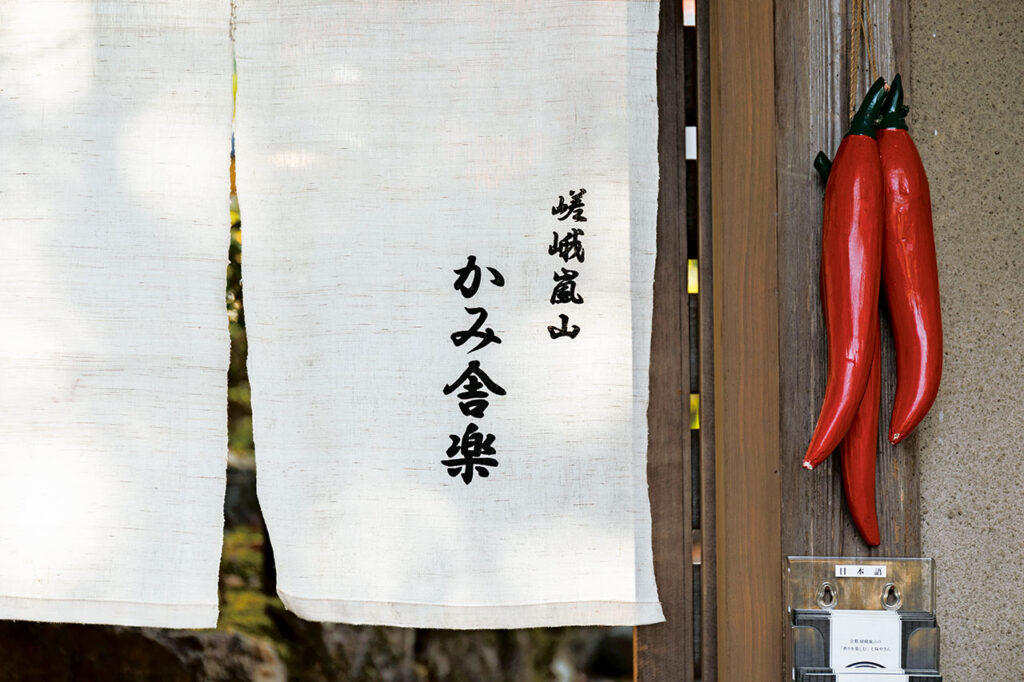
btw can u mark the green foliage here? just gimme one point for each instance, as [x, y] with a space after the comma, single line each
[243, 604]
[239, 410]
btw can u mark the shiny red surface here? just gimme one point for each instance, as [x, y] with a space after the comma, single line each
[911, 279]
[851, 258]
[858, 453]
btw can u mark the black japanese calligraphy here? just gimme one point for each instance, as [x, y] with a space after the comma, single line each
[468, 281]
[569, 246]
[565, 289]
[469, 454]
[564, 330]
[487, 336]
[574, 208]
[473, 399]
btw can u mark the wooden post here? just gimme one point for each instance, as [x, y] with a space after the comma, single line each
[746, 341]
[812, 103]
[811, 52]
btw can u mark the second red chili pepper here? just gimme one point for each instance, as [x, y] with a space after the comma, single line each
[909, 270]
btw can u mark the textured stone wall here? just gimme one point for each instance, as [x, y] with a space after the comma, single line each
[968, 120]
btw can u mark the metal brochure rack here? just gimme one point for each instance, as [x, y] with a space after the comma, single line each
[862, 619]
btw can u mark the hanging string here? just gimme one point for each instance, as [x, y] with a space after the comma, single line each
[870, 35]
[854, 56]
[860, 29]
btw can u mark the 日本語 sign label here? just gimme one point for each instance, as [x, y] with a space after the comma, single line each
[860, 571]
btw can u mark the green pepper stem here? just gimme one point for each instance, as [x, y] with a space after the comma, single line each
[864, 120]
[894, 112]
[822, 165]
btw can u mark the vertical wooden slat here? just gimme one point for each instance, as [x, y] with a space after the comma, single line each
[664, 652]
[746, 341]
[899, 483]
[708, 615]
[899, 27]
[804, 31]
[811, 57]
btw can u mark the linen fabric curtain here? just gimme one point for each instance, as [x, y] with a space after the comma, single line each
[449, 212]
[115, 124]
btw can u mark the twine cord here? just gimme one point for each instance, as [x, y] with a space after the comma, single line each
[860, 29]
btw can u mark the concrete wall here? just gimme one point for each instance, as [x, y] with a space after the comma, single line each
[968, 120]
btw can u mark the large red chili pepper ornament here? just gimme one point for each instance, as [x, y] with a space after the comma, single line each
[851, 258]
[858, 451]
[909, 270]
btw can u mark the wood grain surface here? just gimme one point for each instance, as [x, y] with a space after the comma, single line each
[767, 109]
[812, 39]
[746, 341]
[811, 67]
[708, 646]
